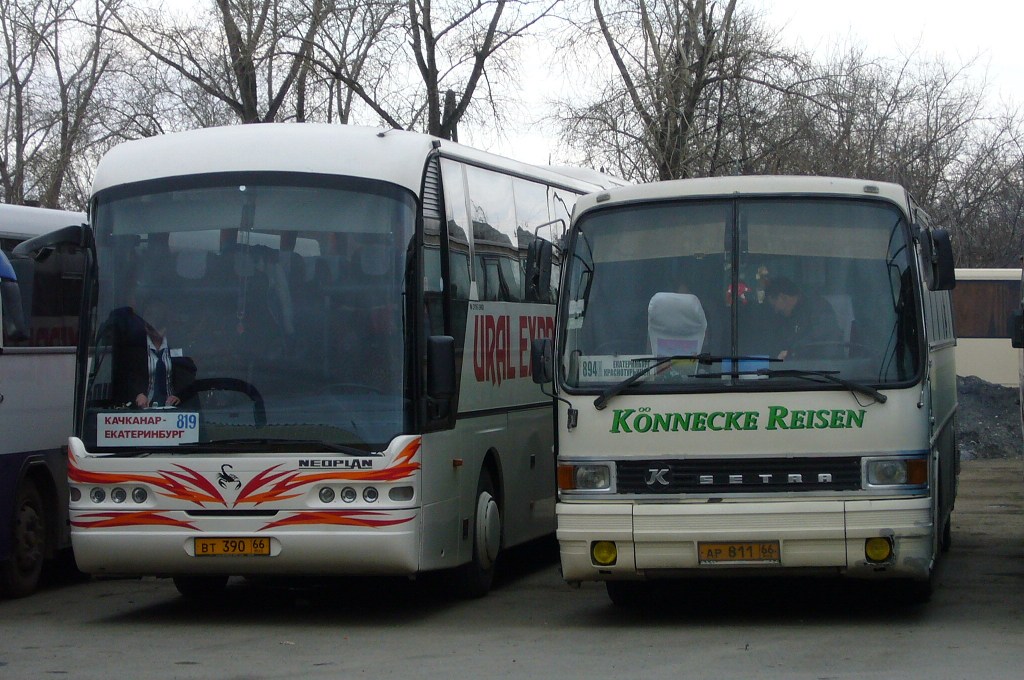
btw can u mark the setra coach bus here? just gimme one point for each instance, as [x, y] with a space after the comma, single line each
[307, 352]
[753, 375]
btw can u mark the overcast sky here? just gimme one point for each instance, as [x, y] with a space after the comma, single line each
[958, 30]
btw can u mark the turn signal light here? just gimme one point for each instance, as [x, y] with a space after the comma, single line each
[566, 477]
[917, 471]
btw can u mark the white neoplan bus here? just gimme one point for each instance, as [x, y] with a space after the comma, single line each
[753, 373]
[347, 323]
[41, 299]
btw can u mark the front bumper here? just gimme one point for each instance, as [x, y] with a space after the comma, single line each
[293, 550]
[661, 539]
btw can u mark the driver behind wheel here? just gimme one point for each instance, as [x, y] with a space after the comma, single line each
[806, 323]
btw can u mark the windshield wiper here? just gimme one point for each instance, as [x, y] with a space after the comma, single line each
[704, 359]
[814, 376]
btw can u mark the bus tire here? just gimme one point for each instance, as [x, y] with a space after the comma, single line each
[946, 541]
[19, 576]
[474, 579]
[201, 586]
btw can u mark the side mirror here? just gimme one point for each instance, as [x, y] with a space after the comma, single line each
[937, 259]
[539, 255]
[76, 235]
[542, 360]
[1017, 329]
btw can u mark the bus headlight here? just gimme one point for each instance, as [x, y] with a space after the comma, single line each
[585, 477]
[896, 471]
[118, 495]
[97, 495]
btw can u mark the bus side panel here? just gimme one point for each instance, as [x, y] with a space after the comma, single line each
[944, 407]
[35, 422]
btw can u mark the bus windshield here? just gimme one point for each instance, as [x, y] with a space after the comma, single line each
[747, 294]
[251, 311]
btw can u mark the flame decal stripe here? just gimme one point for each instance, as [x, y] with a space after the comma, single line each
[282, 484]
[187, 485]
[356, 518]
[268, 485]
[106, 520]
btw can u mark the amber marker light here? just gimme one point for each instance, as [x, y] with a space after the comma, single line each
[878, 549]
[603, 553]
[917, 471]
[566, 477]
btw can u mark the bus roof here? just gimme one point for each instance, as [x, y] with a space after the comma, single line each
[746, 185]
[21, 221]
[395, 156]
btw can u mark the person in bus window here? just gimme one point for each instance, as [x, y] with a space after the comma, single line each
[806, 324]
[152, 373]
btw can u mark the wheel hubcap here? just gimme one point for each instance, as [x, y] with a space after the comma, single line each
[488, 531]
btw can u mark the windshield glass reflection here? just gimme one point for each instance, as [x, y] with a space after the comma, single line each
[270, 307]
[731, 289]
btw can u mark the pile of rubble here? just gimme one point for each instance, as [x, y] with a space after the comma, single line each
[989, 419]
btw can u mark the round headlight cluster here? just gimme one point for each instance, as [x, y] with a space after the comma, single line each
[348, 494]
[118, 494]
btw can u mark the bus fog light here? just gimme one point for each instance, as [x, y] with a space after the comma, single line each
[603, 553]
[400, 493]
[75, 494]
[370, 494]
[593, 477]
[348, 494]
[326, 494]
[878, 549]
[118, 495]
[887, 472]
[97, 495]
[140, 495]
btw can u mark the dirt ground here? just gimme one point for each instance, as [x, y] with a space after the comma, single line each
[989, 420]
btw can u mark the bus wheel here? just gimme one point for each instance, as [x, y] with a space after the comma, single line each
[475, 577]
[19, 576]
[625, 594]
[201, 587]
